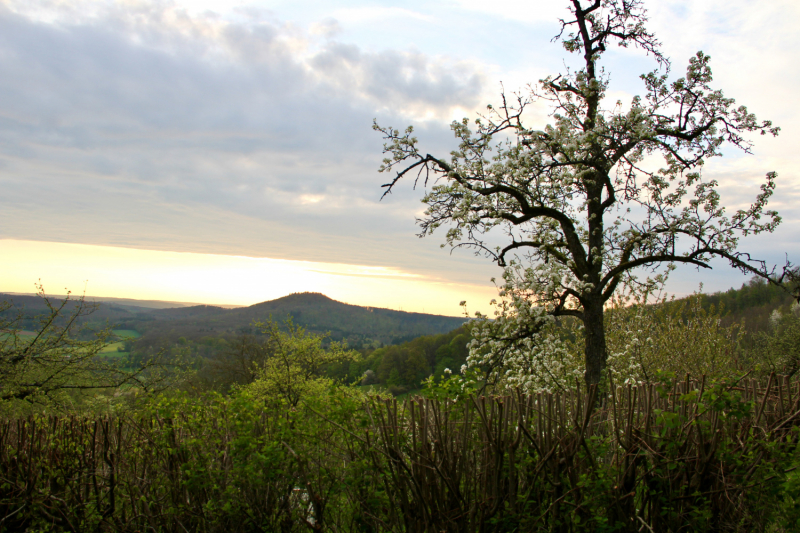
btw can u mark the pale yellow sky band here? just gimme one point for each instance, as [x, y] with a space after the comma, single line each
[222, 279]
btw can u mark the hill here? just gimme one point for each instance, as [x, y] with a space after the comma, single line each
[163, 326]
[357, 325]
[121, 302]
[752, 303]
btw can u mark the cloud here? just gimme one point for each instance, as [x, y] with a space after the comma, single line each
[328, 28]
[360, 15]
[168, 117]
[149, 124]
[396, 80]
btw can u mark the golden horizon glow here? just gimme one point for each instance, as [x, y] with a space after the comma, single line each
[110, 271]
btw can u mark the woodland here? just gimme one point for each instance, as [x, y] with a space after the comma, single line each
[588, 401]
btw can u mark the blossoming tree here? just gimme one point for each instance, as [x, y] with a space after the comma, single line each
[579, 205]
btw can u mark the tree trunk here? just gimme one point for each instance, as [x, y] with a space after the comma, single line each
[595, 341]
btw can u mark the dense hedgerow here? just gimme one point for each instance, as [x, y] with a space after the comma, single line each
[660, 456]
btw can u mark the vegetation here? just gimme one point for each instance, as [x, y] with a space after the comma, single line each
[59, 361]
[665, 456]
[331, 417]
[404, 367]
[287, 432]
[292, 364]
[220, 357]
[359, 326]
[778, 349]
[576, 202]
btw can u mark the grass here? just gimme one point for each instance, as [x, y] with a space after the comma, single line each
[113, 348]
[114, 355]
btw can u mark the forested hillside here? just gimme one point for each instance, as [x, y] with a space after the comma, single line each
[399, 349]
[403, 367]
[205, 330]
[751, 304]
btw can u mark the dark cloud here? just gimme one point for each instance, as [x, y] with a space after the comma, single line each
[395, 78]
[142, 126]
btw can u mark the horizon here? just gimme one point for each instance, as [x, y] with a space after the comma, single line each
[179, 305]
[223, 280]
[118, 299]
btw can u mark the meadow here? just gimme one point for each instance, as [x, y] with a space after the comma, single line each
[117, 346]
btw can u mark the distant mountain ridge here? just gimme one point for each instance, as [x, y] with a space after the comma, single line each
[314, 311]
[124, 302]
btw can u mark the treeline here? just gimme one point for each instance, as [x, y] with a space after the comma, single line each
[752, 304]
[739, 317]
[403, 367]
[360, 327]
[756, 293]
[203, 330]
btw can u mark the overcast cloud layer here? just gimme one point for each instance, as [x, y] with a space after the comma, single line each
[248, 131]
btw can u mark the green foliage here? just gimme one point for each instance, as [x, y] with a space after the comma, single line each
[778, 348]
[707, 456]
[643, 340]
[60, 364]
[752, 303]
[186, 463]
[403, 367]
[678, 337]
[294, 364]
[691, 461]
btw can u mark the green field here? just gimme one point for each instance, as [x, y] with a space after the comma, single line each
[113, 347]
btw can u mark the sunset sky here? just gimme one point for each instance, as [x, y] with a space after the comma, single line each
[222, 152]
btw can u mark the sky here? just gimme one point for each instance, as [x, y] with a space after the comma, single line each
[222, 151]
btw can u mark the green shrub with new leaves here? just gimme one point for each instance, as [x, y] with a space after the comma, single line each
[678, 337]
[778, 349]
[295, 363]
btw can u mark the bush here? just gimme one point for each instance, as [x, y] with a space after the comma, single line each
[678, 337]
[660, 456]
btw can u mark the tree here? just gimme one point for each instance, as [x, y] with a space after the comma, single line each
[238, 364]
[579, 205]
[293, 362]
[61, 356]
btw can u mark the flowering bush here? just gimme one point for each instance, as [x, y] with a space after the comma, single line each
[522, 346]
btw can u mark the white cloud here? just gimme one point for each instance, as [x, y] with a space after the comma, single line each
[156, 129]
